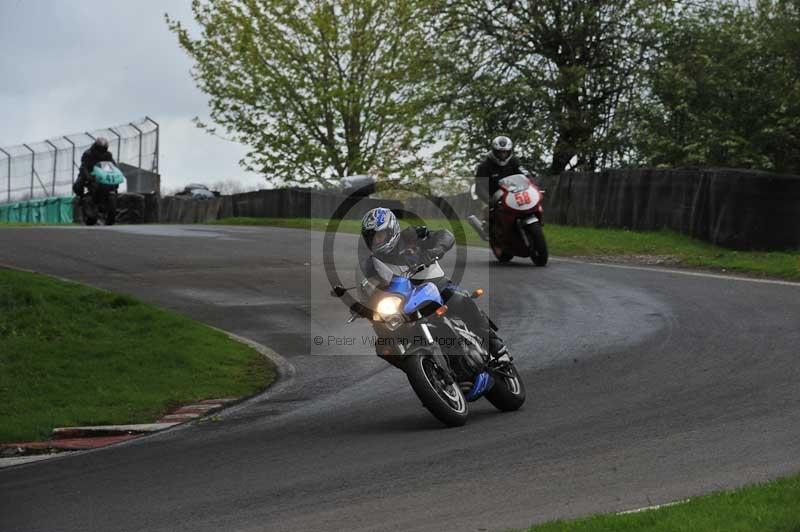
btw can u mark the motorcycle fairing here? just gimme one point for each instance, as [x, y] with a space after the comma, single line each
[415, 296]
[483, 382]
[106, 173]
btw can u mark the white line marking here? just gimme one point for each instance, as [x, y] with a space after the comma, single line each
[683, 272]
[654, 507]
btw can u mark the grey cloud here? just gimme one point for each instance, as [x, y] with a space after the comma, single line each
[71, 66]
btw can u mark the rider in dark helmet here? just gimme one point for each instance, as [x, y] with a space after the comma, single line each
[97, 152]
[500, 162]
[383, 239]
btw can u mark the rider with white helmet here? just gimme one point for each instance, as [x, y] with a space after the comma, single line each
[500, 162]
[383, 239]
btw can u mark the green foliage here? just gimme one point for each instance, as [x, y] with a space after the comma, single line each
[725, 89]
[415, 89]
[558, 77]
[319, 89]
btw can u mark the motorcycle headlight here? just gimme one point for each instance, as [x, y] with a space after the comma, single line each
[389, 306]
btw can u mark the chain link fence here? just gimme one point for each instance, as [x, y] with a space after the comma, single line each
[49, 168]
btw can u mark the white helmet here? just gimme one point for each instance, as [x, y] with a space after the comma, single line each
[502, 149]
[380, 230]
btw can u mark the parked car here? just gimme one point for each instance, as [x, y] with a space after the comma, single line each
[198, 191]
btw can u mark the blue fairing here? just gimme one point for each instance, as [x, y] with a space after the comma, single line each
[415, 297]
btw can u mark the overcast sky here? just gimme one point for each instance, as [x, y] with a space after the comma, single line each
[50, 52]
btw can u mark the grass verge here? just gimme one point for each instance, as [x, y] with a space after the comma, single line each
[771, 506]
[75, 355]
[565, 241]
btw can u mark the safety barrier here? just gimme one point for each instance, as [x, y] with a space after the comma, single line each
[740, 209]
[41, 211]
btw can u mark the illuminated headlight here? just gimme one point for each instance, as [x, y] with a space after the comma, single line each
[389, 312]
[388, 306]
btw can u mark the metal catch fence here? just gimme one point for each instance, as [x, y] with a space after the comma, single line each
[49, 168]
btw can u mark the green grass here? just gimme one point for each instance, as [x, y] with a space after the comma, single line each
[566, 241]
[73, 355]
[774, 506]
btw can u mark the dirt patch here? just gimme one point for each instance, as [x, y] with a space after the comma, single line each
[641, 260]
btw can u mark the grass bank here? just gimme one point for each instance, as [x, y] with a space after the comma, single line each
[774, 506]
[74, 355]
[565, 241]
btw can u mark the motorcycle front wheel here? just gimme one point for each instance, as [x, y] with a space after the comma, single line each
[111, 209]
[89, 211]
[538, 243]
[445, 401]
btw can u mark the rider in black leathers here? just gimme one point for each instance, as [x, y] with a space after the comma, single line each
[97, 152]
[382, 238]
[500, 162]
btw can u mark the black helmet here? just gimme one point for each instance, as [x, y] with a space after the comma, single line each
[100, 144]
[502, 149]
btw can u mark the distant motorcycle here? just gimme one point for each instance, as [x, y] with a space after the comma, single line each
[515, 221]
[100, 202]
[446, 363]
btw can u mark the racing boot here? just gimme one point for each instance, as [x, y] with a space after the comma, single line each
[497, 348]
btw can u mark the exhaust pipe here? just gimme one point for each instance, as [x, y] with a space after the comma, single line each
[478, 226]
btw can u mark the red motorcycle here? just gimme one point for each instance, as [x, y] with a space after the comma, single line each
[515, 221]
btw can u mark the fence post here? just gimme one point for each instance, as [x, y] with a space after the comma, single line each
[155, 162]
[71, 168]
[55, 160]
[140, 142]
[33, 168]
[119, 144]
[8, 155]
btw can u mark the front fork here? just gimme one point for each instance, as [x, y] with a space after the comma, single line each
[422, 339]
[528, 220]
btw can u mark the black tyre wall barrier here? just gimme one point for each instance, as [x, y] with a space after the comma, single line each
[734, 208]
[740, 209]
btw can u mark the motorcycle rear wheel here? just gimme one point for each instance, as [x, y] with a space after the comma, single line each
[508, 393]
[499, 254]
[445, 402]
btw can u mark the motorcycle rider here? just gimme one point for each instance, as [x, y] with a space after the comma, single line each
[97, 152]
[500, 162]
[383, 239]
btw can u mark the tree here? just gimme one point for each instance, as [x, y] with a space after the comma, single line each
[318, 89]
[725, 89]
[558, 75]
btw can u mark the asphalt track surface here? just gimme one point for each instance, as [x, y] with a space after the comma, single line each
[643, 387]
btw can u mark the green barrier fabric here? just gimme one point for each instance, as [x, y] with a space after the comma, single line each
[41, 211]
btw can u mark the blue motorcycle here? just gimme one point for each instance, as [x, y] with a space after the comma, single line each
[446, 364]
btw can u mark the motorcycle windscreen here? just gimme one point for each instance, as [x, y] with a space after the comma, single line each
[515, 183]
[106, 173]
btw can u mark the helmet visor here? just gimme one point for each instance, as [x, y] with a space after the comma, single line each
[503, 154]
[380, 238]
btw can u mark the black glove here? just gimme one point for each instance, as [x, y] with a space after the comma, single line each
[432, 254]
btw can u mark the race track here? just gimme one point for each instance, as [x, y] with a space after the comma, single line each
[643, 387]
